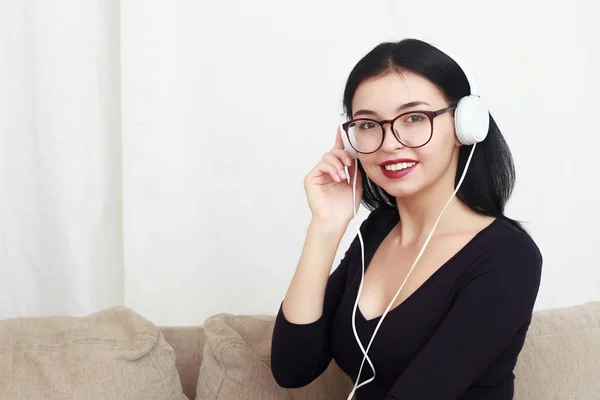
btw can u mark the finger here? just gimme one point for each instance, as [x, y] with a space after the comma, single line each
[329, 170]
[339, 144]
[334, 160]
[343, 155]
[325, 169]
[351, 173]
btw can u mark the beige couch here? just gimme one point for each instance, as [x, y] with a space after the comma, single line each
[117, 354]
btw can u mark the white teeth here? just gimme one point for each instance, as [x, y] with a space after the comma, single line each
[399, 166]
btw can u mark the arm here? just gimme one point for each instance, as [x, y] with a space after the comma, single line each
[303, 302]
[492, 305]
[300, 347]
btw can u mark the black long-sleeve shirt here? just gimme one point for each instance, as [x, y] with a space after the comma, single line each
[456, 337]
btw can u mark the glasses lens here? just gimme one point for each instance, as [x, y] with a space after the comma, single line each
[365, 135]
[413, 129]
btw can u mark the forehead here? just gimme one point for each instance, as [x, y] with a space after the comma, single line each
[383, 94]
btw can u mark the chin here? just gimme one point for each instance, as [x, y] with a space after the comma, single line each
[399, 189]
[403, 186]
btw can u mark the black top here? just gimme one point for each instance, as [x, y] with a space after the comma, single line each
[456, 337]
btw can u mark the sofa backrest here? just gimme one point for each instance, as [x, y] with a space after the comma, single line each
[114, 354]
[188, 343]
[560, 358]
[561, 355]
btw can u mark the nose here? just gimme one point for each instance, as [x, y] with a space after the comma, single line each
[390, 142]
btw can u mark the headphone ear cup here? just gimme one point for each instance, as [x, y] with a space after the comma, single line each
[471, 120]
[347, 146]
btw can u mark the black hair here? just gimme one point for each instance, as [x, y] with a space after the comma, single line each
[490, 180]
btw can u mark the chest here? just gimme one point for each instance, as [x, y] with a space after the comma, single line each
[391, 270]
[403, 333]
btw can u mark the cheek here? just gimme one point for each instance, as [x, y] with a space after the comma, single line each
[368, 161]
[437, 154]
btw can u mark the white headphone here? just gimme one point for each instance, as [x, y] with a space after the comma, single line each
[471, 122]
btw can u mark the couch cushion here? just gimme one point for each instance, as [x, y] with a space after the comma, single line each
[236, 364]
[111, 355]
[188, 343]
[561, 355]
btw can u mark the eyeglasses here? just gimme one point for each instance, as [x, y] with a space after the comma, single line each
[412, 129]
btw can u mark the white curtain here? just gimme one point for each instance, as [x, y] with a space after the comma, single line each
[60, 157]
[152, 152]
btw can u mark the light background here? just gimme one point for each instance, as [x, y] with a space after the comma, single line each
[152, 153]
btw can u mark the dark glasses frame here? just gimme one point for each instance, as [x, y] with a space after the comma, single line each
[430, 114]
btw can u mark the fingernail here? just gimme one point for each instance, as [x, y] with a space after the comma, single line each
[348, 162]
[342, 175]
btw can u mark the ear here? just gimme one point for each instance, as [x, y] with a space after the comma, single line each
[457, 142]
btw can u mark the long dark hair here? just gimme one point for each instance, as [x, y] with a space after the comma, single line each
[491, 176]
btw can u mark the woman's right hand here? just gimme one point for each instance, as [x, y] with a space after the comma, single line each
[327, 190]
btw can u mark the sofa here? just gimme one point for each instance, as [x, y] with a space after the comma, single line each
[117, 354]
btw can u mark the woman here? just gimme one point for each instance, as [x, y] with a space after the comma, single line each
[459, 323]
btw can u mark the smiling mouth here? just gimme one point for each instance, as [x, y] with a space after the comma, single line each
[399, 166]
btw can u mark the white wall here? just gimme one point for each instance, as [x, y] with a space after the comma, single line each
[60, 172]
[214, 150]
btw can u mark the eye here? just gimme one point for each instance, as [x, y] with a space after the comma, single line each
[415, 117]
[368, 125]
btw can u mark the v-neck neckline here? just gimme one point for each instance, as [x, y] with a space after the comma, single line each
[392, 223]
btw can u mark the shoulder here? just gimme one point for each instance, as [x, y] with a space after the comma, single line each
[379, 219]
[505, 275]
[508, 253]
[509, 241]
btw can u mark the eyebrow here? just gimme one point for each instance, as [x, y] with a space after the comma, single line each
[400, 108]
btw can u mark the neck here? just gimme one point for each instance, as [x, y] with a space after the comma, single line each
[419, 212]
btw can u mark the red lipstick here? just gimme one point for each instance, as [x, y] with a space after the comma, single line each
[400, 172]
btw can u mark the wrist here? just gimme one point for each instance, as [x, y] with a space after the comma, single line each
[328, 226]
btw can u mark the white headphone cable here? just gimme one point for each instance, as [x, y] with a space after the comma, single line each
[365, 356]
[362, 253]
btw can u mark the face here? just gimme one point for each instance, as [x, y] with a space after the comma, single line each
[435, 163]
